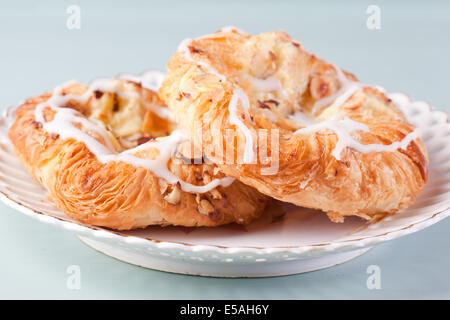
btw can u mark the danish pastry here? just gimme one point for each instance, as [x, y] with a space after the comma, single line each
[108, 154]
[334, 143]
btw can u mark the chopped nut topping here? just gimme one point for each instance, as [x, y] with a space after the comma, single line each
[322, 86]
[216, 194]
[196, 50]
[205, 207]
[263, 64]
[265, 104]
[174, 197]
[98, 94]
[262, 105]
[206, 177]
[144, 139]
[36, 124]
[275, 102]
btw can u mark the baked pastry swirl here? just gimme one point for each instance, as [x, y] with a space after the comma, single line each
[109, 155]
[343, 147]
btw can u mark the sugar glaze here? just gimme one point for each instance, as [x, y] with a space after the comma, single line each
[63, 125]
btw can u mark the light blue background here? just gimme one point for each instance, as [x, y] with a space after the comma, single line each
[409, 54]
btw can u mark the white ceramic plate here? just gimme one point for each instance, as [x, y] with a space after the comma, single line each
[298, 241]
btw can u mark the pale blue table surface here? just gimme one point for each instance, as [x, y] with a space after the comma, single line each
[410, 53]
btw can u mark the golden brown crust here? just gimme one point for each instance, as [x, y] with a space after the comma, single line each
[116, 194]
[363, 184]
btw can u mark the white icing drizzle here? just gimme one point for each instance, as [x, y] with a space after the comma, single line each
[343, 127]
[340, 96]
[238, 95]
[63, 125]
[269, 84]
[66, 115]
[302, 119]
[163, 113]
[151, 80]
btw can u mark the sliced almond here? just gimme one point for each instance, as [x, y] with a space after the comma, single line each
[205, 207]
[322, 86]
[263, 64]
[216, 194]
[174, 197]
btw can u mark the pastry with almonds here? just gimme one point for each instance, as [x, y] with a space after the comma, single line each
[332, 143]
[110, 155]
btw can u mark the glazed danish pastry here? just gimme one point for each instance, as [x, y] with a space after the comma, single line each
[334, 143]
[109, 155]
